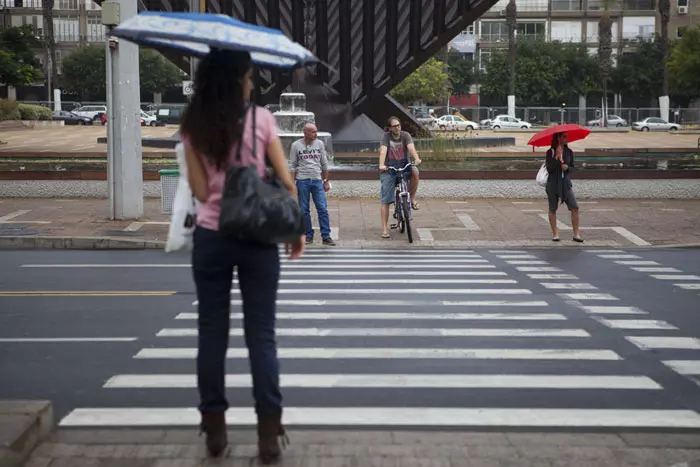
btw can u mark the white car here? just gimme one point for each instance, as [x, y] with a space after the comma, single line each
[455, 122]
[91, 111]
[654, 124]
[505, 121]
[148, 120]
[613, 120]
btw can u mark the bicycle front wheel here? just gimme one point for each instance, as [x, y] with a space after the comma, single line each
[407, 219]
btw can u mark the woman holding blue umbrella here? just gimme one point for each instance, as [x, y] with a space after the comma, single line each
[217, 122]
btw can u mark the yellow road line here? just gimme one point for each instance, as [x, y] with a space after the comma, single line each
[33, 293]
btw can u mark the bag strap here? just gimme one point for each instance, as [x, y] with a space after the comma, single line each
[240, 143]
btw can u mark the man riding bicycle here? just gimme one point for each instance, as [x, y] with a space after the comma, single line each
[393, 152]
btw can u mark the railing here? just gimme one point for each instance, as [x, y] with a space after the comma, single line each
[596, 5]
[637, 5]
[495, 37]
[637, 36]
[567, 5]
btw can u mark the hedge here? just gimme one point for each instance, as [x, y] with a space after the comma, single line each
[9, 110]
[35, 112]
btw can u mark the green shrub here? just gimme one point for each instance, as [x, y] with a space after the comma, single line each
[9, 110]
[35, 112]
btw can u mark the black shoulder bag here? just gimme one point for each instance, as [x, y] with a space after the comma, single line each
[257, 210]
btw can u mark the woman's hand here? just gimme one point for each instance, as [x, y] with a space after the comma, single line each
[295, 249]
[564, 167]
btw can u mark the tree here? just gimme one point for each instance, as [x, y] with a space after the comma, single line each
[605, 56]
[429, 83]
[511, 18]
[156, 73]
[684, 64]
[582, 69]
[18, 64]
[640, 73]
[542, 76]
[84, 72]
[461, 71]
[49, 41]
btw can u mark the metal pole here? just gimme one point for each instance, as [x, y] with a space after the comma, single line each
[49, 91]
[110, 130]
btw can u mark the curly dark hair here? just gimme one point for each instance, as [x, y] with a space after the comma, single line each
[213, 119]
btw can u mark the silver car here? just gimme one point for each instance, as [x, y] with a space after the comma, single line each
[654, 124]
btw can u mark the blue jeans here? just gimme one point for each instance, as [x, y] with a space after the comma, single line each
[214, 258]
[314, 188]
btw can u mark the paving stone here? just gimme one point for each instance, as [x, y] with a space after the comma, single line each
[669, 440]
[126, 463]
[75, 462]
[340, 437]
[177, 463]
[492, 452]
[115, 436]
[565, 439]
[465, 439]
[38, 462]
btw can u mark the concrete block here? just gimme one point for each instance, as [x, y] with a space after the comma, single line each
[23, 425]
[565, 439]
[663, 440]
[17, 243]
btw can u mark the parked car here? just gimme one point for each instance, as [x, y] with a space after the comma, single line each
[654, 124]
[70, 118]
[456, 122]
[169, 114]
[91, 111]
[424, 118]
[148, 120]
[613, 120]
[506, 121]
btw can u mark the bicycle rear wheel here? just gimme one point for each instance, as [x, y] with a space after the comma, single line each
[407, 219]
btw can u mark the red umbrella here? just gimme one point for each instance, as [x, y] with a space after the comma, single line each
[544, 137]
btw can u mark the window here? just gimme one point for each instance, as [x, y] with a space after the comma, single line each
[494, 31]
[682, 2]
[638, 27]
[67, 4]
[469, 31]
[484, 56]
[636, 5]
[566, 31]
[592, 32]
[95, 30]
[523, 5]
[66, 29]
[680, 31]
[532, 30]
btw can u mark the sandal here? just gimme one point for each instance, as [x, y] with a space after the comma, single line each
[555, 239]
[578, 239]
[386, 235]
[415, 206]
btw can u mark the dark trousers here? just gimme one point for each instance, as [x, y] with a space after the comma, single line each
[214, 258]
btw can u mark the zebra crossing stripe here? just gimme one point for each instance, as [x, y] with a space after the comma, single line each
[676, 277]
[659, 342]
[436, 381]
[635, 323]
[402, 291]
[411, 303]
[553, 276]
[538, 269]
[395, 281]
[393, 332]
[684, 367]
[402, 316]
[389, 274]
[608, 256]
[568, 285]
[370, 262]
[381, 353]
[688, 286]
[393, 416]
[613, 310]
[587, 296]
[417, 267]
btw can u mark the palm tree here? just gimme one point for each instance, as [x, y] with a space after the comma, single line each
[605, 56]
[511, 16]
[665, 13]
[50, 44]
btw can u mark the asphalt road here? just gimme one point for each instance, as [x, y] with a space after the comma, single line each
[541, 339]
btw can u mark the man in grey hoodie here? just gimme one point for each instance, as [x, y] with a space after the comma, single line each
[309, 163]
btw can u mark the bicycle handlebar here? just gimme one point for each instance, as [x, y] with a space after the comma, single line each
[401, 169]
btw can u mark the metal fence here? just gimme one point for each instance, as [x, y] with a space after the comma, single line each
[549, 115]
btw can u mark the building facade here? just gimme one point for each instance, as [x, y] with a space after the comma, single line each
[75, 23]
[575, 21]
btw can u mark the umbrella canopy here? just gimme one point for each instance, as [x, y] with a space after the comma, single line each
[196, 33]
[544, 137]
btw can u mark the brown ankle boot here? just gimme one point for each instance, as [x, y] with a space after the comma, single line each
[269, 429]
[214, 425]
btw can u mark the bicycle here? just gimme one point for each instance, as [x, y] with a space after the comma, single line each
[403, 210]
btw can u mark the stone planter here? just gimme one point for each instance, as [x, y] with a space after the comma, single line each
[42, 124]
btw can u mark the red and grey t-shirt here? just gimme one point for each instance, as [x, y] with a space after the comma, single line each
[397, 150]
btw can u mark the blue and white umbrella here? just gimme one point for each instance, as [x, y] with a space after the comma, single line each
[196, 33]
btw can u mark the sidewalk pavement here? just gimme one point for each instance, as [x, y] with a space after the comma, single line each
[26, 440]
[84, 224]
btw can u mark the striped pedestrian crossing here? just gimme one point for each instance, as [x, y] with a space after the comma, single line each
[381, 339]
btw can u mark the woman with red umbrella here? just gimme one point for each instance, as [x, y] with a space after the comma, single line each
[559, 163]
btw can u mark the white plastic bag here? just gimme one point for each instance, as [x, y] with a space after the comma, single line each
[182, 222]
[542, 175]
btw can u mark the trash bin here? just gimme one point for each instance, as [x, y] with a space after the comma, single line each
[169, 179]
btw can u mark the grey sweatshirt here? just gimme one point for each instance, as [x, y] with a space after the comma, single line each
[308, 161]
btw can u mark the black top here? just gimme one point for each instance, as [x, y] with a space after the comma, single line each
[558, 182]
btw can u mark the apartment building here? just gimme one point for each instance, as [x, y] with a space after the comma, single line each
[574, 21]
[75, 23]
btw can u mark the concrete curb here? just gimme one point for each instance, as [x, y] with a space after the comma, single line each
[23, 425]
[76, 243]
[398, 242]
